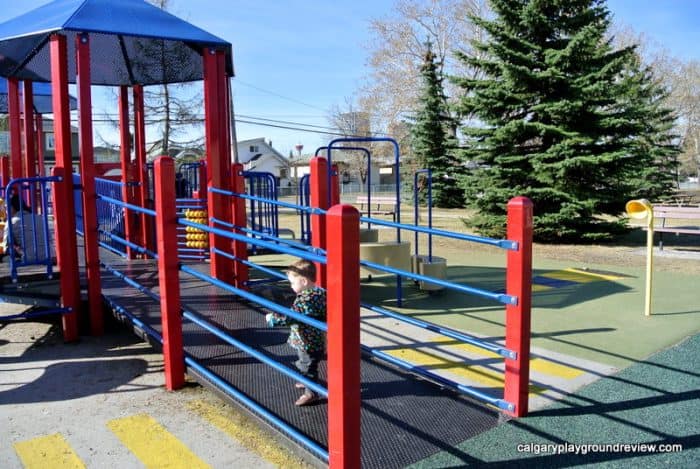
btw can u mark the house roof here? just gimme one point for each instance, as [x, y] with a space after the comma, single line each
[260, 156]
[263, 142]
[131, 42]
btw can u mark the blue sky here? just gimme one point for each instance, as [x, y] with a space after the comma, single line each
[295, 59]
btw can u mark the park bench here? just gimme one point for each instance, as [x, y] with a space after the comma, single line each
[677, 216]
[379, 205]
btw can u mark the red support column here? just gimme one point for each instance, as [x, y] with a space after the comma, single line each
[28, 122]
[125, 159]
[335, 186]
[15, 128]
[218, 157]
[4, 172]
[41, 169]
[141, 172]
[168, 273]
[64, 208]
[343, 337]
[202, 178]
[318, 185]
[87, 171]
[519, 285]
[240, 248]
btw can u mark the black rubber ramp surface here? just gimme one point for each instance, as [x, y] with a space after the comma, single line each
[404, 419]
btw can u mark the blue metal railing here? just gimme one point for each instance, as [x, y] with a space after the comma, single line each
[28, 231]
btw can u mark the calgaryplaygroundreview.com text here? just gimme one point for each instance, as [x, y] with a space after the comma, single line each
[564, 448]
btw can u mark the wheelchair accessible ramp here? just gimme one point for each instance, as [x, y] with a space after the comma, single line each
[404, 419]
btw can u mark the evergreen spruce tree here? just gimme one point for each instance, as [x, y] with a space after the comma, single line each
[432, 142]
[561, 118]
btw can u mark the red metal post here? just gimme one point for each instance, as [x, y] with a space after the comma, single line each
[240, 249]
[519, 285]
[202, 178]
[168, 272]
[15, 127]
[218, 157]
[87, 171]
[4, 171]
[335, 185]
[141, 171]
[125, 158]
[318, 185]
[343, 337]
[41, 169]
[63, 203]
[64, 208]
[28, 122]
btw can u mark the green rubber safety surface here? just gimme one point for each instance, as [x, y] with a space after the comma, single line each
[646, 416]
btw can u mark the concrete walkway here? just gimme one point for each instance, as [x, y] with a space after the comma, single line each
[102, 403]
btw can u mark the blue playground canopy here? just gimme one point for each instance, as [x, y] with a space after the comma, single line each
[131, 42]
[42, 98]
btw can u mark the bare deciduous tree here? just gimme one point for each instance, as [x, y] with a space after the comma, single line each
[351, 121]
[682, 79]
[397, 50]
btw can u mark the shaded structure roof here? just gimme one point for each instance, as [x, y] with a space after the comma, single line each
[42, 98]
[131, 42]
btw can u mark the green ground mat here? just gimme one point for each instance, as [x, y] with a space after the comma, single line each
[645, 416]
[593, 312]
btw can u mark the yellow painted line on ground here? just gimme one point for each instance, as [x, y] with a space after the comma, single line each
[536, 287]
[595, 275]
[472, 373]
[570, 276]
[538, 364]
[48, 451]
[548, 367]
[245, 432]
[153, 445]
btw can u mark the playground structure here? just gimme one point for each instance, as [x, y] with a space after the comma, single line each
[153, 219]
[174, 374]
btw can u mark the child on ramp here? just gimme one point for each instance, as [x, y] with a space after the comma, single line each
[308, 341]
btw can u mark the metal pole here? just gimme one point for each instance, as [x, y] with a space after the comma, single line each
[641, 209]
[234, 140]
[650, 263]
[87, 171]
[319, 199]
[168, 273]
[344, 337]
[64, 207]
[519, 285]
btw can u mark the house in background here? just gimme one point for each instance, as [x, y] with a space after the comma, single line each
[106, 154]
[259, 155]
[255, 155]
[48, 145]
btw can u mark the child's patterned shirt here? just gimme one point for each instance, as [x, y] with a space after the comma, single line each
[310, 302]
